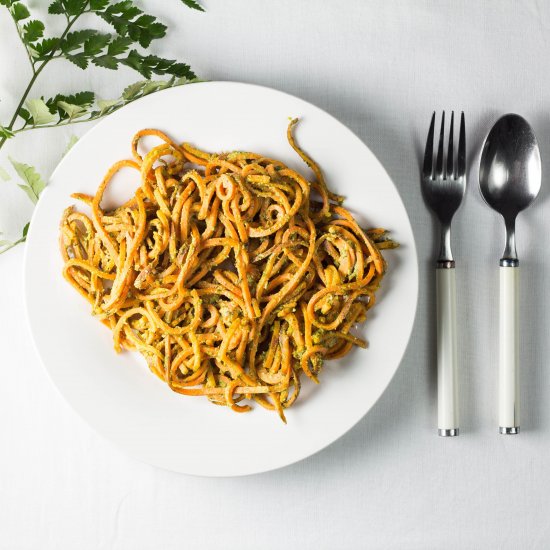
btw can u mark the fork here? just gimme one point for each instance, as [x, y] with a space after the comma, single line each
[443, 187]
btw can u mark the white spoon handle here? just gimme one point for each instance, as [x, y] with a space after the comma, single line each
[508, 380]
[447, 388]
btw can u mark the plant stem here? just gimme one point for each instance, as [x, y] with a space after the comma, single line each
[58, 124]
[13, 244]
[25, 94]
[18, 28]
[35, 76]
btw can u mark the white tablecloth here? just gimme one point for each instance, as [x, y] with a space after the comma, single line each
[381, 68]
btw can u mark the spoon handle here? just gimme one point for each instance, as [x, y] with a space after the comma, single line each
[508, 384]
[447, 388]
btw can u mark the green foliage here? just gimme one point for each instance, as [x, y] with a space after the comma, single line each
[128, 20]
[4, 175]
[33, 30]
[119, 45]
[151, 64]
[44, 48]
[32, 182]
[99, 4]
[131, 26]
[5, 245]
[74, 40]
[63, 109]
[56, 8]
[83, 47]
[19, 11]
[68, 7]
[71, 106]
[107, 105]
[6, 133]
[40, 114]
[71, 110]
[192, 4]
[130, 29]
[72, 140]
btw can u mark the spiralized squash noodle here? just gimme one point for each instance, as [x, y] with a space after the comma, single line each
[232, 274]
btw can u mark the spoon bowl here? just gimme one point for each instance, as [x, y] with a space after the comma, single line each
[510, 171]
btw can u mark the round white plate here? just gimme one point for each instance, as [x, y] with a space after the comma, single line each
[116, 394]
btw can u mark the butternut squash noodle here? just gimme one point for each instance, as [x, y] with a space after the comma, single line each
[224, 272]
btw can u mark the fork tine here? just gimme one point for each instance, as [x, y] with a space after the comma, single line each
[429, 152]
[461, 161]
[439, 160]
[449, 172]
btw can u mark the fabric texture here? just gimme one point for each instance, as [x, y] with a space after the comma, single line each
[381, 68]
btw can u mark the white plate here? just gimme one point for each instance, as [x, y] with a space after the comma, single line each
[116, 394]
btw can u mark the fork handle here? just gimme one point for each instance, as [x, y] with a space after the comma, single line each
[447, 387]
[508, 379]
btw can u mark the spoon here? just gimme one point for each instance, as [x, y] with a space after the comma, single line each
[509, 180]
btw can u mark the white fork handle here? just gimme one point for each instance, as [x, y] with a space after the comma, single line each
[508, 384]
[447, 387]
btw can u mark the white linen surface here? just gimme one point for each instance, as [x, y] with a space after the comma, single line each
[381, 68]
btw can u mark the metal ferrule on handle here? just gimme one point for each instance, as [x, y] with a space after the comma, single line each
[447, 385]
[508, 379]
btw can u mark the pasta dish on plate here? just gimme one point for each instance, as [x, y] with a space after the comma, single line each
[232, 274]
